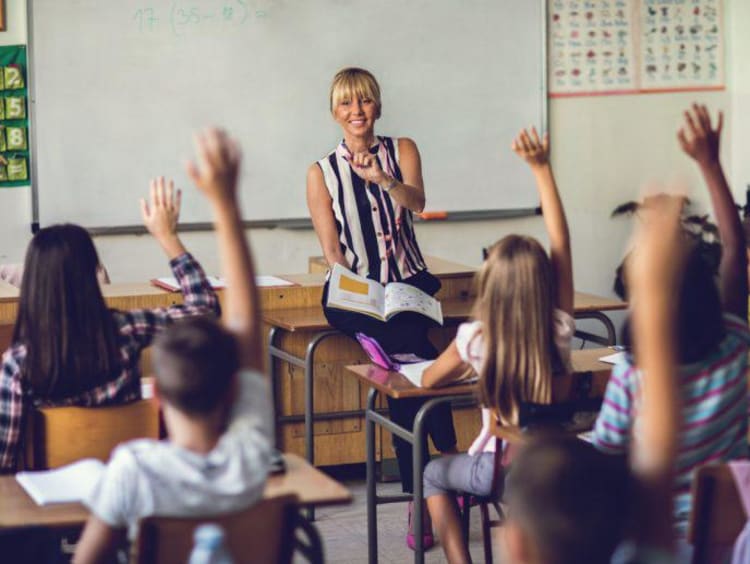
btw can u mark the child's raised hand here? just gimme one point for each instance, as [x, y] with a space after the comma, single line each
[698, 138]
[218, 165]
[161, 212]
[531, 148]
[660, 245]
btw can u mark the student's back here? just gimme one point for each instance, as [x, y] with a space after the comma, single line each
[215, 402]
[68, 347]
[713, 343]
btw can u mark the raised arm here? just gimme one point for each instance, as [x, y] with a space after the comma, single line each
[410, 192]
[654, 271]
[161, 214]
[216, 174]
[320, 204]
[535, 152]
[700, 140]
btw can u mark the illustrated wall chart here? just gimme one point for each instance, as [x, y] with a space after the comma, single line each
[599, 47]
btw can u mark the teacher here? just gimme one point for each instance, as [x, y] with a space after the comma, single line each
[361, 198]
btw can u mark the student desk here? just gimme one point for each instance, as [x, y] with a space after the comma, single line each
[586, 366]
[311, 327]
[310, 485]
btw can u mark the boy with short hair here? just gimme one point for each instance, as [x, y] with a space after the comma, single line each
[215, 402]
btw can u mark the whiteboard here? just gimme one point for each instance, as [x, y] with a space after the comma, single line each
[118, 87]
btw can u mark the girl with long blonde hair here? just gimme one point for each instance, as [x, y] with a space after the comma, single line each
[518, 342]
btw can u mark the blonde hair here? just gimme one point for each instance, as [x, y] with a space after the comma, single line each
[353, 81]
[515, 304]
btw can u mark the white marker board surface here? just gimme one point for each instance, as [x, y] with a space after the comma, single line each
[119, 87]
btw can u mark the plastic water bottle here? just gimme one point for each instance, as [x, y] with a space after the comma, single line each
[209, 547]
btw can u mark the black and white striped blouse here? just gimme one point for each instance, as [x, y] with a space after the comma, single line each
[376, 234]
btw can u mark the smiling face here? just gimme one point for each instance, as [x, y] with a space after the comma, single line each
[356, 116]
[355, 101]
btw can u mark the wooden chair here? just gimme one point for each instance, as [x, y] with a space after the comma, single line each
[717, 515]
[263, 533]
[56, 436]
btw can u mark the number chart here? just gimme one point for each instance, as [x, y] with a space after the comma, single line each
[14, 144]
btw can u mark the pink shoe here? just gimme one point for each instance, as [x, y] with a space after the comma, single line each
[428, 541]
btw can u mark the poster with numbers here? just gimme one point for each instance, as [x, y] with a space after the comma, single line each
[14, 121]
[601, 47]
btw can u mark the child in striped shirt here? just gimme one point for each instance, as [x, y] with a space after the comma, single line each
[713, 342]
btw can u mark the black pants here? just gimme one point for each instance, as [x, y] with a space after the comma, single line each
[403, 333]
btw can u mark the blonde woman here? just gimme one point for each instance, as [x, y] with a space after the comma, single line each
[520, 338]
[361, 198]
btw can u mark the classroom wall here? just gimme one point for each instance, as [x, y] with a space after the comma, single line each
[604, 149]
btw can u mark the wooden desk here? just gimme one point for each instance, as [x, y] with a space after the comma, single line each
[312, 487]
[586, 366]
[437, 266]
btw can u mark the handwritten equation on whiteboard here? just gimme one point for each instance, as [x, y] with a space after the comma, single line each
[185, 16]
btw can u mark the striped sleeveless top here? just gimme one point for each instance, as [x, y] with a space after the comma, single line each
[376, 234]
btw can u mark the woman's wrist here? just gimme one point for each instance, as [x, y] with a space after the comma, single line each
[388, 183]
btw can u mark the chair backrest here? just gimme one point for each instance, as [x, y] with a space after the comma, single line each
[56, 436]
[717, 515]
[263, 533]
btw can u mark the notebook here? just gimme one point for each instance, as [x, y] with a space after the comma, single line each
[66, 484]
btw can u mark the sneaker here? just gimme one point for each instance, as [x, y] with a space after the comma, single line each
[428, 541]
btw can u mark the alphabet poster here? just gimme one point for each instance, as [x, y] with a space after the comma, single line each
[600, 47]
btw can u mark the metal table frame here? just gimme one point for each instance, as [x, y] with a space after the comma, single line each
[308, 364]
[417, 438]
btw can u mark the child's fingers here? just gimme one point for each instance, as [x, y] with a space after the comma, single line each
[152, 192]
[535, 137]
[200, 151]
[545, 142]
[169, 196]
[161, 193]
[682, 138]
[192, 171]
[178, 201]
[720, 123]
[692, 124]
[145, 212]
[213, 147]
[524, 141]
[704, 119]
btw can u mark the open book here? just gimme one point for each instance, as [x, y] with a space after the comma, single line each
[66, 484]
[352, 292]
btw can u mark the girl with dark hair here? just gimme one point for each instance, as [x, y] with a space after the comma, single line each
[713, 340]
[68, 347]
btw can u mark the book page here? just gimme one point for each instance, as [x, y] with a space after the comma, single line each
[265, 281]
[171, 283]
[615, 358]
[413, 372]
[66, 484]
[352, 292]
[404, 297]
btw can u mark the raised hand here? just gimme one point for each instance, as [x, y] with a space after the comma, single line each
[161, 214]
[218, 165]
[366, 166]
[531, 148]
[162, 211]
[697, 136]
[660, 245]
